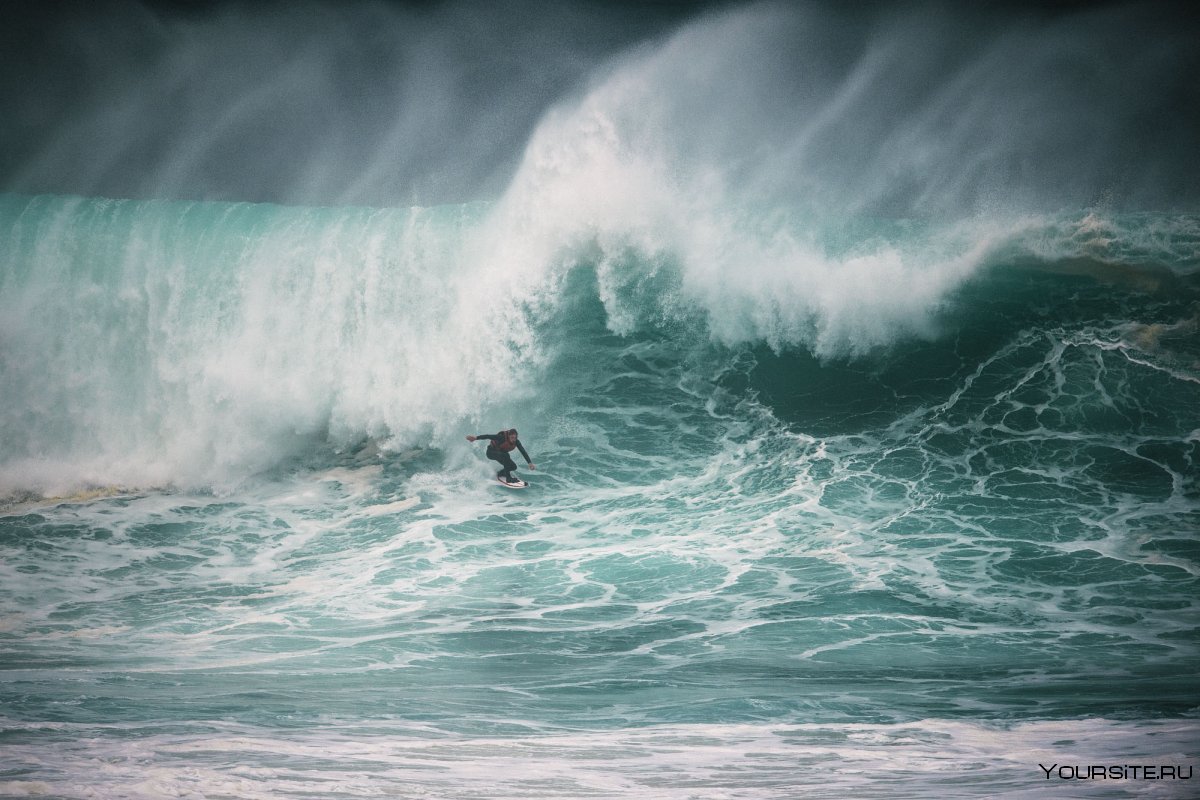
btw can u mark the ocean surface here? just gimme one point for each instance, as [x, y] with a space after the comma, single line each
[839, 492]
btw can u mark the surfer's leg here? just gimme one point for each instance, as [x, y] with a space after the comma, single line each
[498, 457]
[508, 464]
[505, 462]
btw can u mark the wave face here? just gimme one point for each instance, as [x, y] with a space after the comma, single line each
[866, 439]
[206, 342]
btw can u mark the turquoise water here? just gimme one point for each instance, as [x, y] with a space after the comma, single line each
[248, 548]
[829, 501]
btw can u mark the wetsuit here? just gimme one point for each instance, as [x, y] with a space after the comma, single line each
[496, 452]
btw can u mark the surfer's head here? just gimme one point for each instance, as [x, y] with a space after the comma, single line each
[511, 433]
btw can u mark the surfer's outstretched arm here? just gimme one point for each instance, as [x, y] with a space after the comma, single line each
[525, 455]
[491, 437]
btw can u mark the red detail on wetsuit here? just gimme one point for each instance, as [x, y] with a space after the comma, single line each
[504, 444]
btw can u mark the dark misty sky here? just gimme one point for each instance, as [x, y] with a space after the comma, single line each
[292, 101]
[379, 103]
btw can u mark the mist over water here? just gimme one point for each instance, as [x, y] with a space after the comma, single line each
[922, 108]
[858, 350]
[368, 103]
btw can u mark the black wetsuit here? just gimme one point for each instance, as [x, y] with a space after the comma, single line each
[496, 454]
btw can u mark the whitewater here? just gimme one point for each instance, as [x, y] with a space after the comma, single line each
[863, 397]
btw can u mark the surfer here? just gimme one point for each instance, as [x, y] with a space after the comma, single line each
[499, 446]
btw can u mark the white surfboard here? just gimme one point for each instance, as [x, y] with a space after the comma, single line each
[520, 484]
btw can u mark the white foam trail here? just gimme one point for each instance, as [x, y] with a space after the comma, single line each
[912, 761]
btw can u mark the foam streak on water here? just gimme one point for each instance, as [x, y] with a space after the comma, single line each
[753, 761]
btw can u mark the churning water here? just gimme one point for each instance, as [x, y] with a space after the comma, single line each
[866, 461]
